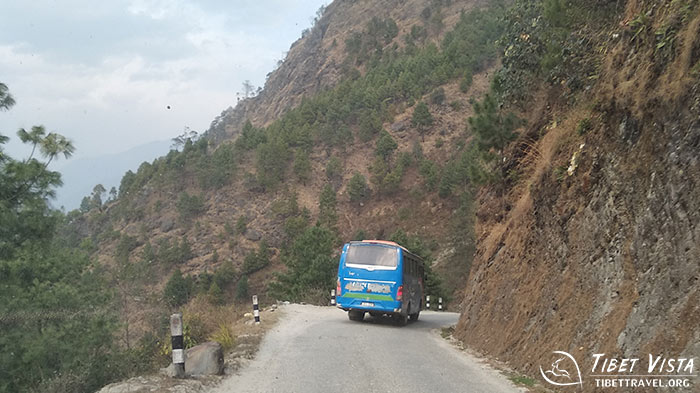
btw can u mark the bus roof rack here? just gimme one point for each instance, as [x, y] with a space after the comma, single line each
[382, 242]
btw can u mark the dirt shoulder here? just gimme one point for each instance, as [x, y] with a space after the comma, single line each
[248, 339]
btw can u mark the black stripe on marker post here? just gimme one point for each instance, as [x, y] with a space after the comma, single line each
[178, 346]
[178, 342]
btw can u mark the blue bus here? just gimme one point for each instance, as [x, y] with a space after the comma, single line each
[380, 277]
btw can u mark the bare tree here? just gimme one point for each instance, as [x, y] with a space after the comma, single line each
[248, 88]
[187, 135]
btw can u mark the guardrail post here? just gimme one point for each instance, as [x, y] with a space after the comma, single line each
[439, 304]
[332, 297]
[178, 345]
[256, 310]
[427, 302]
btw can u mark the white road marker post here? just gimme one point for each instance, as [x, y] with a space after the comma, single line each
[427, 302]
[256, 310]
[178, 344]
[439, 304]
[332, 297]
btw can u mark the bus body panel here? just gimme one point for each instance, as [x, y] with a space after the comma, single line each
[413, 292]
[374, 288]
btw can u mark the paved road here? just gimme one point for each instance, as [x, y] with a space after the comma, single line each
[317, 349]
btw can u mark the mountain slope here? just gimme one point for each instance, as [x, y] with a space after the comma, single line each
[279, 163]
[318, 59]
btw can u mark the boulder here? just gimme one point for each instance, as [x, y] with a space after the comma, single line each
[253, 235]
[167, 224]
[169, 371]
[205, 359]
[399, 126]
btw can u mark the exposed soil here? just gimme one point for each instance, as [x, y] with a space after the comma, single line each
[597, 252]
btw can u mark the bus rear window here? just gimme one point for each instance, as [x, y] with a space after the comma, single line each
[372, 255]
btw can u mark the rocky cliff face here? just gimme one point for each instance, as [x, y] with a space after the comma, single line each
[598, 249]
[317, 60]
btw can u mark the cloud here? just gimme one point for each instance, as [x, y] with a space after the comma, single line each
[104, 73]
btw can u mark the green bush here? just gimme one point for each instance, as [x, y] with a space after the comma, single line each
[124, 247]
[391, 182]
[437, 97]
[360, 235]
[241, 225]
[404, 160]
[466, 82]
[583, 126]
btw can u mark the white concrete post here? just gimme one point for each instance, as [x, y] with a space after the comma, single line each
[256, 310]
[178, 344]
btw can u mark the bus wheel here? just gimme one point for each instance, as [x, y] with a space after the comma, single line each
[356, 315]
[414, 317]
[401, 319]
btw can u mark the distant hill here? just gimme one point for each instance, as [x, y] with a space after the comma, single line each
[81, 175]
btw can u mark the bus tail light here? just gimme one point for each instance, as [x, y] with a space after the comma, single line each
[337, 288]
[399, 293]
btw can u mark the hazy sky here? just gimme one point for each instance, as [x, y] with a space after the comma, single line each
[104, 72]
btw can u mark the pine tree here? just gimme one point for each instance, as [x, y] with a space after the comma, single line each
[358, 190]
[215, 294]
[176, 291]
[242, 288]
[492, 127]
[422, 119]
[386, 145]
[302, 166]
[327, 215]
